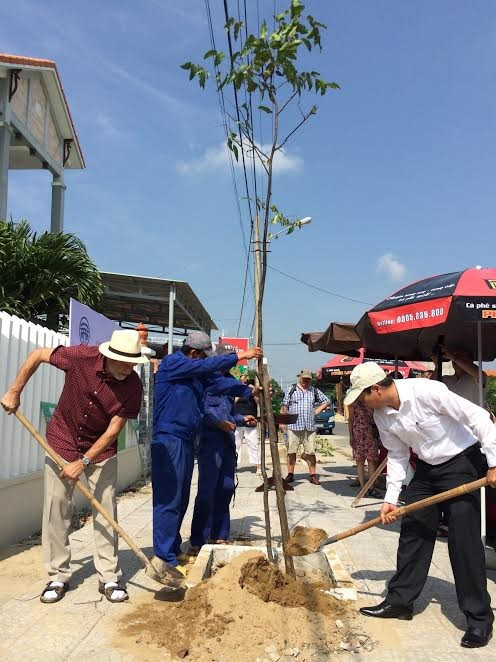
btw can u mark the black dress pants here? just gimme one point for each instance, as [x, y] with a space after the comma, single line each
[418, 536]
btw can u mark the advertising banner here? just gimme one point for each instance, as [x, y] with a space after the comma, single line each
[240, 343]
[87, 327]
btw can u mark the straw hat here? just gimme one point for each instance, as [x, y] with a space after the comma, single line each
[124, 346]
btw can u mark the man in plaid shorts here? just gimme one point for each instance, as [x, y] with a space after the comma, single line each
[306, 401]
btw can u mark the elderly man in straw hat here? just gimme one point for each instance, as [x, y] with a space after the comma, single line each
[100, 393]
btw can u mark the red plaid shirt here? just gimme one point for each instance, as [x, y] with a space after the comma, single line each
[89, 400]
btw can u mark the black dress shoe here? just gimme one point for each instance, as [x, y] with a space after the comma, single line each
[477, 637]
[387, 610]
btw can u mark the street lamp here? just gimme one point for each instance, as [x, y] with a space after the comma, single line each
[298, 224]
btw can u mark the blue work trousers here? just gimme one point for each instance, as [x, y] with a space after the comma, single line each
[216, 469]
[172, 469]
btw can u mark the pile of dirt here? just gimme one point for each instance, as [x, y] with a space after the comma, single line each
[247, 607]
[267, 582]
[304, 540]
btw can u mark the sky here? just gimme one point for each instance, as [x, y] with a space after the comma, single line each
[396, 169]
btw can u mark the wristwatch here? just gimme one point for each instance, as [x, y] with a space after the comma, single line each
[85, 460]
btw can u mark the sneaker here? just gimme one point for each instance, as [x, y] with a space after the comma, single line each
[289, 478]
[314, 480]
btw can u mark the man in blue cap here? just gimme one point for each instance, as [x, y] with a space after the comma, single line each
[179, 390]
[217, 459]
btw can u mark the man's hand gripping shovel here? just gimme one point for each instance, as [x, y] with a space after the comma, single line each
[398, 512]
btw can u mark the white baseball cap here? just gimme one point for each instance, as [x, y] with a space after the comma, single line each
[362, 376]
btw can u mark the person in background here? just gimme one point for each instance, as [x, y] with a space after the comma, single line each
[217, 460]
[465, 381]
[306, 401]
[364, 441]
[248, 432]
[180, 386]
[101, 392]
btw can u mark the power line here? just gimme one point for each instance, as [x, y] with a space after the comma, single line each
[238, 117]
[315, 287]
[220, 96]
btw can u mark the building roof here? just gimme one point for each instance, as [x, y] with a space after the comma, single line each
[56, 93]
[129, 298]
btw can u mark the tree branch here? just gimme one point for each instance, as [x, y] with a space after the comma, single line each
[305, 117]
[288, 101]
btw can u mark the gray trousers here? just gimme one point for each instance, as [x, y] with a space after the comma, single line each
[101, 478]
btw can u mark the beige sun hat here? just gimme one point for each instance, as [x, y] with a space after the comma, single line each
[124, 346]
[362, 376]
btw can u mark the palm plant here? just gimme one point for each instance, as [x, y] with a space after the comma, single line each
[39, 273]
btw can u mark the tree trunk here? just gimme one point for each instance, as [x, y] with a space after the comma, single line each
[268, 528]
[276, 466]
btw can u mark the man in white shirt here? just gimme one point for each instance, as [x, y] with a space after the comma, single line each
[444, 430]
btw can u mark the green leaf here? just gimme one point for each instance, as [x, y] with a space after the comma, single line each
[265, 109]
[209, 54]
[186, 65]
[219, 56]
[263, 30]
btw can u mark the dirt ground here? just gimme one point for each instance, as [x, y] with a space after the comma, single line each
[248, 608]
[20, 566]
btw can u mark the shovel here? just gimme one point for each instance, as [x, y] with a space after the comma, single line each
[370, 483]
[167, 575]
[405, 510]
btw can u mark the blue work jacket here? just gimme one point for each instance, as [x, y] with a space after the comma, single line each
[179, 389]
[220, 407]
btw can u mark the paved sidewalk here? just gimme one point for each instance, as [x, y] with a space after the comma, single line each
[83, 625]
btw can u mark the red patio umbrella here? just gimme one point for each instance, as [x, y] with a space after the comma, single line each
[343, 365]
[456, 309]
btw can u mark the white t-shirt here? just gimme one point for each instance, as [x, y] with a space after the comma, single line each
[466, 387]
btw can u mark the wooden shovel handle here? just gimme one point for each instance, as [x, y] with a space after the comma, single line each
[369, 483]
[94, 502]
[405, 510]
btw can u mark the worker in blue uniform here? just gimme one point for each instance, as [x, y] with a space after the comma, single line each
[217, 461]
[179, 389]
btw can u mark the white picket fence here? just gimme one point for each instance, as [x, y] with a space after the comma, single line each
[19, 453]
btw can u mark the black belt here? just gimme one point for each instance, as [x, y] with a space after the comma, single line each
[467, 451]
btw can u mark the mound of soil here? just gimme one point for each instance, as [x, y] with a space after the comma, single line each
[304, 540]
[246, 607]
[267, 582]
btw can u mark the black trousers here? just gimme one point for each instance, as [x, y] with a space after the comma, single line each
[418, 536]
